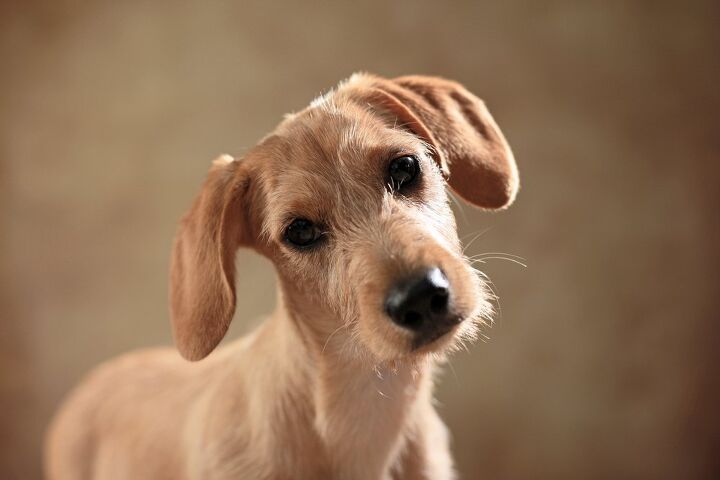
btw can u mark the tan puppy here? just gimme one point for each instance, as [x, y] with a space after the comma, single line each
[347, 199]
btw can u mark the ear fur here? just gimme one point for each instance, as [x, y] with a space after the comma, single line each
[202, 266]
[469, 146]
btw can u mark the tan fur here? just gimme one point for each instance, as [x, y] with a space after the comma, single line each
[327, 387]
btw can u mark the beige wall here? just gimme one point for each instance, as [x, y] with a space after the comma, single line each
[603, 363]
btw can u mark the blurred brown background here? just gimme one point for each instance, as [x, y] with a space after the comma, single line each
[604, 361]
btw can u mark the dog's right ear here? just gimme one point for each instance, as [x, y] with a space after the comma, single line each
[202, 266]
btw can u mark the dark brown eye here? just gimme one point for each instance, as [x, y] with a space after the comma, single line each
[302, 233]
[403, 171]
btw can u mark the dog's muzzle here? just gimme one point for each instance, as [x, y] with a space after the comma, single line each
[422, 304]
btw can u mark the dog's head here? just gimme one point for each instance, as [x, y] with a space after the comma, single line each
[347, 198]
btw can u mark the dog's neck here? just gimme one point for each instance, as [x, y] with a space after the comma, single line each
[361, 411]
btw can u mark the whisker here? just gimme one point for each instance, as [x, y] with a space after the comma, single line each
[500, 254]
[496, 257]
[480, 234]
[494, 297]
[330, 336]
[452, 369]
[459, 206]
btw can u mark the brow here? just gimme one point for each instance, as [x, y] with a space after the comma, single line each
[291, 200]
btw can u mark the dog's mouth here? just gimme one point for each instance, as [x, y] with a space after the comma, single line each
[433, 333]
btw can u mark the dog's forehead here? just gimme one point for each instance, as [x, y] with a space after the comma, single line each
[325, 155]
[328, 131]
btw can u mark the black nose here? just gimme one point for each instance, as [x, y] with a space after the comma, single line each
[421, 301]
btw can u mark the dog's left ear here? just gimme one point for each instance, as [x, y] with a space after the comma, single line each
[469, 146]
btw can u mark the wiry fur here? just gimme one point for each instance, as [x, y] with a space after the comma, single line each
[327, 387]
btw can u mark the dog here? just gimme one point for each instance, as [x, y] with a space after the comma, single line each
[348, 200]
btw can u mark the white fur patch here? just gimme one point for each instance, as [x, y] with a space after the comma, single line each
[325, 100]
[354, 78]
[321, 100]
[223, 159]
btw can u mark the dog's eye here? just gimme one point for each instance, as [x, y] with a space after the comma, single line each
[403, 170]
[302, 233]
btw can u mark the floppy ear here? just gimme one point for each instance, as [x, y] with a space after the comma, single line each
[469, 146]
[202, 266]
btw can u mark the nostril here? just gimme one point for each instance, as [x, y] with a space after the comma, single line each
[439, 302]
[412, 319]
[420, 301]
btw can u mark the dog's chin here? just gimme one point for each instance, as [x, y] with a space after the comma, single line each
[436, 341]
[393, 345]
